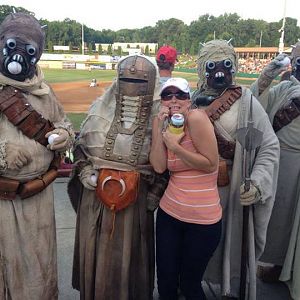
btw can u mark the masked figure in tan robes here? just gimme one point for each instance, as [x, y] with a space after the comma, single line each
[29, 114]
[228, 106]
[282, 104]
[114, 244]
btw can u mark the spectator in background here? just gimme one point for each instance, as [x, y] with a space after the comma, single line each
[166, 58]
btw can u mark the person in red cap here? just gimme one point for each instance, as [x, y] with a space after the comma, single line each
[166, 58]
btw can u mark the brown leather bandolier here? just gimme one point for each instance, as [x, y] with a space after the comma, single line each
[286, 114]
[223, 102]
[20, 113]
[226, 148]
[216, 109]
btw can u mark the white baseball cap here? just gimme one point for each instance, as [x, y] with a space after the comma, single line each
[177, 82]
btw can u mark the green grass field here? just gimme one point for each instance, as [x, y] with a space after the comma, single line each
[56, 75]
[64, 75]
[76, 119]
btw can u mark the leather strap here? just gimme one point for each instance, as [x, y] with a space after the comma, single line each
[286, 114]
[10, 188]
[216, 109]
[223, 102]
[20, 113]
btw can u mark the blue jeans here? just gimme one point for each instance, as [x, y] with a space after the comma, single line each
[183, 251]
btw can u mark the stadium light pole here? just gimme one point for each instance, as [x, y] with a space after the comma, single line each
[260, 39]
[281, 40]
[82, 38]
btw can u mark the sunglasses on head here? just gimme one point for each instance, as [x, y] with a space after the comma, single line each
[179, 95]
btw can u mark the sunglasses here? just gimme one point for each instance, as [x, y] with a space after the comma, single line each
[180, 96]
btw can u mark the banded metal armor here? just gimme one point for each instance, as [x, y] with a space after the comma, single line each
[124, 117]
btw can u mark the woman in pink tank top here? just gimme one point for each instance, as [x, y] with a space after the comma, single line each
[188, 225]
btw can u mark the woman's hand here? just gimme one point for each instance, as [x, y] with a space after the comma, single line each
[172, 140]
[162, 116]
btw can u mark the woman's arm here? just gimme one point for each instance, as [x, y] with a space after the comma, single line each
[158, 152]
[204, 140]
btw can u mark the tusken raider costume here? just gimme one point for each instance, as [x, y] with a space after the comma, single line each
[114, 243]
[228, 107]
[282, 104]
[29, 113]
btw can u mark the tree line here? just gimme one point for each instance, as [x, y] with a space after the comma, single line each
[186, 38]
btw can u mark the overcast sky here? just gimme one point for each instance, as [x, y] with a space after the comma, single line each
[121, 14]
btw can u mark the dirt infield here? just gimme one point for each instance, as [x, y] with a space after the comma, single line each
[77, 97]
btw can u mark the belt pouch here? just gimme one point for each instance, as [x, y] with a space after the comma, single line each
[117, 189]
[223, 177]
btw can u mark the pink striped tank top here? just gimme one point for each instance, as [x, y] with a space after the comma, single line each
[192, 195]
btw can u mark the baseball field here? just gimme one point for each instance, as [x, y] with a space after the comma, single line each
[72, 88]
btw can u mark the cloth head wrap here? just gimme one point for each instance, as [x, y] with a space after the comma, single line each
[215, 50]
[21, 45]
